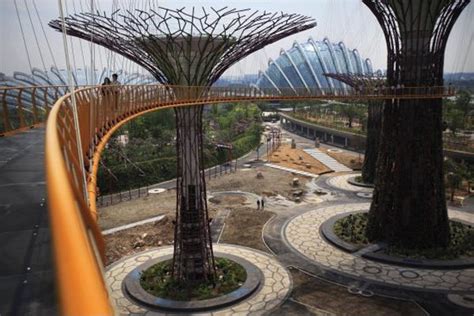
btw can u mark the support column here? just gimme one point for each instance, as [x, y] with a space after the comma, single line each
[409, 205]
[193, 260]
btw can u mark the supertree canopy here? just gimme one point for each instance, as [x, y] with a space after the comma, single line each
[189, 48]
[166, 40]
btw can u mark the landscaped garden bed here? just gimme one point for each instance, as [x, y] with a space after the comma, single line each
[351, 229]
[157, 280]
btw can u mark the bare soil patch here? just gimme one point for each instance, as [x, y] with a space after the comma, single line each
[274, 182]
[136, 239]
[138, 209]
[244, 227]
[297, 159]
[353, 161]
[228, 200]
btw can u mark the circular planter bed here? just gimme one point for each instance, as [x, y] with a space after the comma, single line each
[357, 181]
[237, 280]
[347, 231]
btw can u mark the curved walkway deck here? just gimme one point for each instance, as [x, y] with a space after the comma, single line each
[26, 267]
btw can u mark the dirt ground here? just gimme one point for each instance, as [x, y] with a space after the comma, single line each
[138, 209]
[244, 227]
[136, 239]
[274, 182]
[140, 238]
[297, 159]
[353, 161]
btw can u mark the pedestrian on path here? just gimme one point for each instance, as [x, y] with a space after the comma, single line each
[258, 204]
[263, 203]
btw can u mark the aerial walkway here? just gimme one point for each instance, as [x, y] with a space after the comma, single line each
[26, 267]
[78, 128]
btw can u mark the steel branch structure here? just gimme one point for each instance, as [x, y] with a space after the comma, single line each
[409, 206]
[416, 33]
[161, 40]
[358, 81]
[187, 48]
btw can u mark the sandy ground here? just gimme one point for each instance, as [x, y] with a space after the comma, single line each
[297, 159]
[353, 161]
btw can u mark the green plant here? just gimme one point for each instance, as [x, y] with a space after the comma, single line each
[352, 228]
[157, 280]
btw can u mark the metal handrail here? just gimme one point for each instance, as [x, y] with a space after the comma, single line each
[77, 241]
[25, 107]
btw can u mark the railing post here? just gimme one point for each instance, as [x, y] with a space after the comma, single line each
[46, 103]
[20, 108]
[33, 105]
[6, 119]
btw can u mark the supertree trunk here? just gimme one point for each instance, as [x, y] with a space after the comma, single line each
[374, 125]
[409, 205]
[194, 258]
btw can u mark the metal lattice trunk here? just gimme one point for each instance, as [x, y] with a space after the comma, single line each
[409, 205]
[187, 48]
[371, 83]
[193, 247]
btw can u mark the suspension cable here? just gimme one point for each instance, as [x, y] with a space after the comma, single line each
[24, 40]
[44, 34]
[36, 37]
[73, 52]
[73, 99]
[92, 51]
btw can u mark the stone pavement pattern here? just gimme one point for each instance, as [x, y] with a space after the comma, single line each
[273, 291]
[340, 182]
[301, 235]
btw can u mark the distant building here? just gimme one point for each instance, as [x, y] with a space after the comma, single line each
[303, 66]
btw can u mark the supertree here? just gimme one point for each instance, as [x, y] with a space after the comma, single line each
[409, 204]
[187, 48]
[367, 84]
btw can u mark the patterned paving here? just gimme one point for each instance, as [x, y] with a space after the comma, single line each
[340, 182]
[301, 235]
[274, 290]
[327, 160]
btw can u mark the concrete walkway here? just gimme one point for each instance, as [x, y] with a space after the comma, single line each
[26, 272]
[327, 160]
[303, 173]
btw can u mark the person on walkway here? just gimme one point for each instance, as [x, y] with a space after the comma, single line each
[115, 81]
[105, 87]
[106, 91]
[258, 204]
[116, 89]
[263, 203]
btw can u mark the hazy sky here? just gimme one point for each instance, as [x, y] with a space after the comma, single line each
[339, 20]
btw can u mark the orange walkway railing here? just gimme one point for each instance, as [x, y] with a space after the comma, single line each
[77, 240]
[26, 107]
